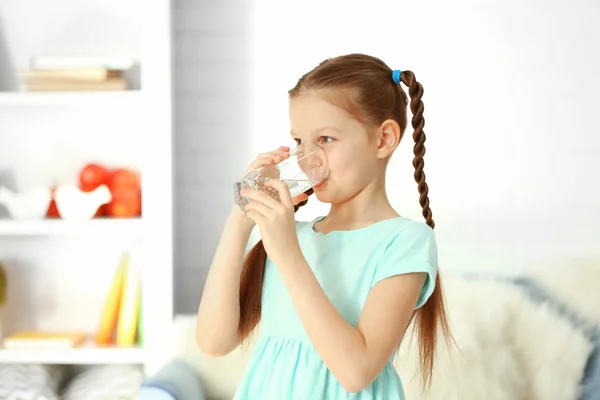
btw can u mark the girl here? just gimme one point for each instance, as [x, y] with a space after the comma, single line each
[335, 295]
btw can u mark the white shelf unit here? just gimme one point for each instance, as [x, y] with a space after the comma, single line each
[60, 272]
[56, 227]
[84, 355]
[61, 99]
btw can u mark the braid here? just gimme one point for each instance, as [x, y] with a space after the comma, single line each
[415, 91]
[251, 282]
[308, 193]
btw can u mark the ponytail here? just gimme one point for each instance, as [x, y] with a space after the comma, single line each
[251, 284]
[432, 316]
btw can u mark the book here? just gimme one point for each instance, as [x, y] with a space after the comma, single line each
[74, 75]
[110, 315]
[48, 62]
[140, 322]
[129, 307]
[42, 339]
[114, 84]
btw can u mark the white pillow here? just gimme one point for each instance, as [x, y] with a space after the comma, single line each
[105, 382]
[30, 382]
[220, 375]
[575, 283]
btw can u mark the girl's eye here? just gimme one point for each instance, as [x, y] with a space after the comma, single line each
[324, 139]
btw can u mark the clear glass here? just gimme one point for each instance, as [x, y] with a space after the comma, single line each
[305, 168]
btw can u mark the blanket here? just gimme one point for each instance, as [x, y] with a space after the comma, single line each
[507, 347]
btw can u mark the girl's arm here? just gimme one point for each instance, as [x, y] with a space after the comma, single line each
[355, 356]
[219, 310]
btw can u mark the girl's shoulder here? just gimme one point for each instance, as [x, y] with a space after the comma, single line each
[388, 228]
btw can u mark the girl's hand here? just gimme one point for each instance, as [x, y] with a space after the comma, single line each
[269, 158]
[276, 222]
[262, 160]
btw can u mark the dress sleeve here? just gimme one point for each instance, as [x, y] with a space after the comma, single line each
[413, 249]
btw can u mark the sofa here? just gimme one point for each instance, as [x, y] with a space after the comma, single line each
[527, 337]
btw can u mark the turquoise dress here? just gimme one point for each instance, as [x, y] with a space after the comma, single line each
[284, 364]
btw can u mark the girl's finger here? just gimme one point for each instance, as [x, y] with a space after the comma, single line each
[270, 158]
[284, 191]
[263, 160]
[257, 207]
[257, 195]
[282, 151]
[255, 216]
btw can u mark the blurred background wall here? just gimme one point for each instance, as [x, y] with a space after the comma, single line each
[511, 93]
[212, 131]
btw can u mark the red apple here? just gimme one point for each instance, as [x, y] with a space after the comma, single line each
[123, 178]
[92, 176]
[126, 203]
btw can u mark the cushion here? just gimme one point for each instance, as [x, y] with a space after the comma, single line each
[571, 288]
[105, 382]
[177, 379]
[572, 283]
[220, 375]
[153, 393]
[30, 382]
[497, 327]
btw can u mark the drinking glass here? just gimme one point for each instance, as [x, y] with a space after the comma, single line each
[305, 168]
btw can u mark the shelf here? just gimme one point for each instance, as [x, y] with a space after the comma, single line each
[47, 227]
[51, 99]
[59, 268]
[88, 355]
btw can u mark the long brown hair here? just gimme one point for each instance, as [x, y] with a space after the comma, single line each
[363, 86]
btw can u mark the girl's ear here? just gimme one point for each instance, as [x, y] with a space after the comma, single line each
[388, 138]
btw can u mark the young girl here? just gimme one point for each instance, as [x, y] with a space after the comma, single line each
[335, 295]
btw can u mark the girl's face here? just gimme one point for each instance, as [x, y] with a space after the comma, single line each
[351, 151]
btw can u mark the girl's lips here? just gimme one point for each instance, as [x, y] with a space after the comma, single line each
[318, 185]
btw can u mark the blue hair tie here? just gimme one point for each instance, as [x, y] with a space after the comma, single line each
[396, 76]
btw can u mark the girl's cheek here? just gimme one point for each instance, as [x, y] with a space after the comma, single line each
[331, 162]
[331, 155]
[337, 161]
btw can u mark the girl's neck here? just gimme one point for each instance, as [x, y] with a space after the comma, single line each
[369, 206]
